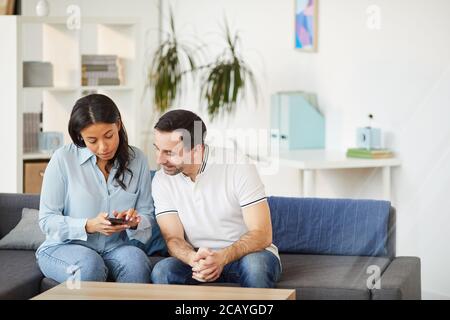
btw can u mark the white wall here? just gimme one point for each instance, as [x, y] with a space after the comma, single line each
[9, 102]
[399, 73]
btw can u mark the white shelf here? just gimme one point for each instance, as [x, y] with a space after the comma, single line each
[91, 20]
[331, 159]
[309, 161]
[49, 39]
[82, 88]
[108, 88]
[322, 159]
[36, 156]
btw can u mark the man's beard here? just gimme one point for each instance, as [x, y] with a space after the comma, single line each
[172, 171]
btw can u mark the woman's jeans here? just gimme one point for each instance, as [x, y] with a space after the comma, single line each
[122, 264]
[255, 270]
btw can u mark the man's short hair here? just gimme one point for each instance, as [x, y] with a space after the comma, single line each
[190, 125]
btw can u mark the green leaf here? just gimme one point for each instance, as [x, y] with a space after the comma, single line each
[224, 85]
[171, 61]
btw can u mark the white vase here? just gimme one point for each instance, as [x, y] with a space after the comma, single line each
[42, 8]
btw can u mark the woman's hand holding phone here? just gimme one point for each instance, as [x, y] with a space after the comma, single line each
[130, 216]
[101, 225]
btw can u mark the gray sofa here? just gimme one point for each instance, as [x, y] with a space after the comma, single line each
[314, 276]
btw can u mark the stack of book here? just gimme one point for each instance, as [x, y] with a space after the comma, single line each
[100, 70]
[369, 153]
[7, 7]
[31, 128]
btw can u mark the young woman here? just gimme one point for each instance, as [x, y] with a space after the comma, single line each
[97, 177]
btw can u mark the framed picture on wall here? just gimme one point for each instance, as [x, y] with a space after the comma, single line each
[306, 22]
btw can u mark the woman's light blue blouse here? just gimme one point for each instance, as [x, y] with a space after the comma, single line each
[75, 190]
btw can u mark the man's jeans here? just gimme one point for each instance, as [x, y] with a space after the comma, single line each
[256, 270]
[122, 264]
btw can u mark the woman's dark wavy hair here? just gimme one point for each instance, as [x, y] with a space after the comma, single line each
[98, 108]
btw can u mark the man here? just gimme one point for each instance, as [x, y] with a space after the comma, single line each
[212, 212]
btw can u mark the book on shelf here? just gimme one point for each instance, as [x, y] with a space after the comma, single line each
[7, 7]
[31, 129]
[100, 82]
[369, 153]
[98, 57]
[99, 67]
[101, 70]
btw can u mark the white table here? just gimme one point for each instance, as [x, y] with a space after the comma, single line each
[309, 161]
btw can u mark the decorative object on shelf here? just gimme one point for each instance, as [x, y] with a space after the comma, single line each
[49, 142]
[368, 137]
[172, 61]
[101, 70]
[74, 17]
[306, 21]
[37, 74]
[226, 79]
[42, 8]
[368, 141]
[7, 7]
[369, 153]
[296, 121]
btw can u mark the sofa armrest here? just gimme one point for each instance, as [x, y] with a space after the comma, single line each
[400, 281]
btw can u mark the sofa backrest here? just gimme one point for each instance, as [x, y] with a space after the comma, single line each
[11, 206]
[300, 225]
[333, 226]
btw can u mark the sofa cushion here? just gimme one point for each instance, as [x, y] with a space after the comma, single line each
[11, 205]
[48, 283]
[330, 226]
[26, 235]
[156, 245]
[20, 277]
[328, 277]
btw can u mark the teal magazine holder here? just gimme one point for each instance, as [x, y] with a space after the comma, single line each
[296, 122]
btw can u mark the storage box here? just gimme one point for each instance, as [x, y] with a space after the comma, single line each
[296, 123]
[37, 74]
[33, 176]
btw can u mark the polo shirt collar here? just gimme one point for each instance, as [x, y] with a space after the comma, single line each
[205, 160]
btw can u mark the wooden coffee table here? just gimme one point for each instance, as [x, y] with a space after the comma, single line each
[125, 291]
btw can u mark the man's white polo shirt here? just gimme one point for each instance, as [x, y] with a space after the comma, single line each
[210, 208]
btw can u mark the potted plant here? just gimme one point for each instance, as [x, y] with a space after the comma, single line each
[172, 61]
[225, 82]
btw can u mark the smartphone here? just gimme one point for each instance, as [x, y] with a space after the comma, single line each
[115, 221]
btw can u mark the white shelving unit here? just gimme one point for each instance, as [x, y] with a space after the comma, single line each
[49, 39]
